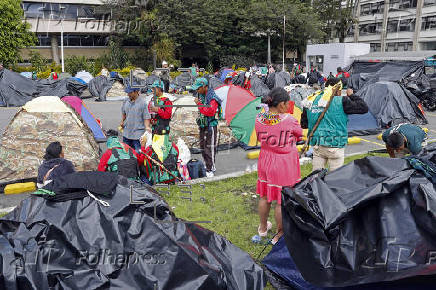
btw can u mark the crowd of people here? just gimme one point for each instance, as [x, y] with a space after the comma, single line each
[146, 153]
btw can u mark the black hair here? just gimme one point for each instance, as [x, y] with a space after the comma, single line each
[395, 140]
[332, 82]
[53, 151]
[275, 97]
[339, 69]
[112, 133]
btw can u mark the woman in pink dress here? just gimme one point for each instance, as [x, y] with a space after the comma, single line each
[278, 165]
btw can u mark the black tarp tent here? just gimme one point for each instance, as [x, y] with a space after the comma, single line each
[99, 87]
[16, 90]
[390, 101]
[134, 243]
[371, 220]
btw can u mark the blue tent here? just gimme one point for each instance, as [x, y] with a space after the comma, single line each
[361, 125]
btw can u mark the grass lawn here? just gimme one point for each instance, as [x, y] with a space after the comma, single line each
[230, 206]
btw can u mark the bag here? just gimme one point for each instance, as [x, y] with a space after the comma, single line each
[196, 169]
[126, 167]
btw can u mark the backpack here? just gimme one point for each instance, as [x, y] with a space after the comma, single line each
[128, 168]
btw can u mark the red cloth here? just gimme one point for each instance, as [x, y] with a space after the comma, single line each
[346, 75]
[208, 111]
[166, 112]
[102, 166]
[278, 163]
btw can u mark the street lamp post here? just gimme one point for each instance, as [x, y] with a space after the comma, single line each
[62, 16]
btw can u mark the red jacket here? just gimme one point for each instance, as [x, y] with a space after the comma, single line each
[164, 112]
[107, 155]
[208, 111]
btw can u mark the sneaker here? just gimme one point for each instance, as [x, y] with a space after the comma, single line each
[210, 174]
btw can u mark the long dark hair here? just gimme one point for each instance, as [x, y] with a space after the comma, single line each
[53, 151]
[275, 97]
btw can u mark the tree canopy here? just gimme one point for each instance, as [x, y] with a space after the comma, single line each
[214, 30]
[14, 33]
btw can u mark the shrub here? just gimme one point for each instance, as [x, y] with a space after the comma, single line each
[74, 64]
[39, 63]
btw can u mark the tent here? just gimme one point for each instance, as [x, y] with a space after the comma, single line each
[99, 86]
[134, 243]
[258, 87]
[369, 221]
[389, 101]
[16, 90]
[40, 122]
[183, 80]
[94, 124]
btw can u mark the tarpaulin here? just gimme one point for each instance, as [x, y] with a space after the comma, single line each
[16, 90]
[388, 101]
[135, 243]
[99, 86]
[258, 87]
[183, 80]
[371, 220]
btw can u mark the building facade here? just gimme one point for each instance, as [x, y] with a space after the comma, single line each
[395, 25]
[84, 24]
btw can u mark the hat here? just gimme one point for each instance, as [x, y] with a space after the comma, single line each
[158, 84]
[129, 89]
[199, 82]
[164, 63]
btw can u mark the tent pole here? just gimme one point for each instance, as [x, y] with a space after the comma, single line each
[284, 32]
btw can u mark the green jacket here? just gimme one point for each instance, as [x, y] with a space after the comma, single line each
[332, 130]
[414, 135]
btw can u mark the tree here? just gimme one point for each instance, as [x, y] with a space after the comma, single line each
[14, 33]
[337, 19]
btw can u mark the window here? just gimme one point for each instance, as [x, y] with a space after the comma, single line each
[372, 8]
[407, 25]
[399, 46]
[87, 40]
[86, 11]
[375, 47]
[32, 10]
[44, 40]
[371, 28]
[70, 11]
[428, 23]
[429, 2]
[402, 4]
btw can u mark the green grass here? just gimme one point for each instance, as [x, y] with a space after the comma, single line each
[229, 205]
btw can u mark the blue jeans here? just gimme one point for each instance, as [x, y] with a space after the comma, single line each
[135, 144]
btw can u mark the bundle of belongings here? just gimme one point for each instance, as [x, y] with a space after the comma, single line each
[371, 221]
[127, 239]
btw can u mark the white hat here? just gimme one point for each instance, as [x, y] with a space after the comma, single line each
[247, 74]
[164, 62]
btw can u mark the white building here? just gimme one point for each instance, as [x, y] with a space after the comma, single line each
[395, 25]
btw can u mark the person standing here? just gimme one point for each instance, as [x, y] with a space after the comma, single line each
[53, 75]
[278, 164]
[135, 118]
[403, 139]
[207, 122]
[343, 76]
[331, 136]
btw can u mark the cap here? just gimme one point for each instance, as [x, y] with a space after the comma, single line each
[158, 84]
[199, 82]
[129, 89]
[164, 62]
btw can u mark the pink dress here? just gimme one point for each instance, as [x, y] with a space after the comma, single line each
[278, 163]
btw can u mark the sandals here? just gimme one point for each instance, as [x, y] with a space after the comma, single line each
[268, 227]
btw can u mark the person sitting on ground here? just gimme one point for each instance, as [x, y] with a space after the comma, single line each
[53, 75]
[278, 163]
[120, 157]
[403, 139]
[160, 161]
[54, 165]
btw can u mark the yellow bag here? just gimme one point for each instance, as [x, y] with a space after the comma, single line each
[20, 187]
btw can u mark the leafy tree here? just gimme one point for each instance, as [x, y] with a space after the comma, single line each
[337, 18]
[14, 33]
[37, 61]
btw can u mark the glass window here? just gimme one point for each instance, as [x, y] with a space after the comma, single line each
[32, 10]
[392, 26]
[428, 23]
[101, 41]
[44, 40]
[375, 47]
[87, 40]
[429, 2]
[70, 11]
[407, 25]
[86, 11]
[73, 40]
[365, 9]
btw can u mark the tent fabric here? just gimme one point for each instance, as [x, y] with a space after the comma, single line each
[16, 90]
[27, 74]
[79, 80]
[258, 87]
[389, 101]
[243, 124]
[26, 137]
[84, 75]
[369, 221]
[80, 108]
[128, 245]
[282, 273]
[183, 80]
[46, 104]
[362, 125]
[214, 83]
[223, 73]
[99, 86]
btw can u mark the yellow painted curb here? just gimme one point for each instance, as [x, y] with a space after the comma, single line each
[253, 154]
[354, 140]
[379, 136]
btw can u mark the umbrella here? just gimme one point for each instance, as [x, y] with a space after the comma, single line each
[239, 108]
